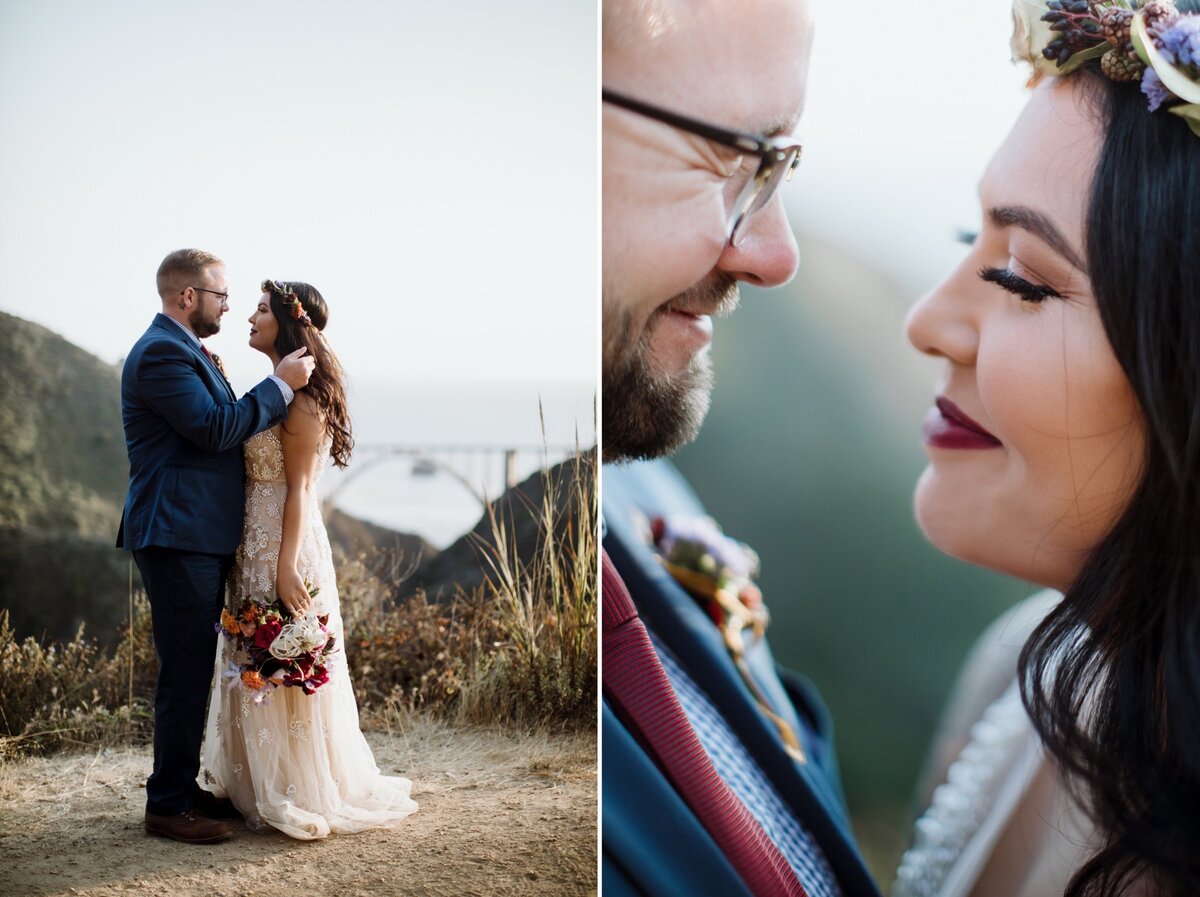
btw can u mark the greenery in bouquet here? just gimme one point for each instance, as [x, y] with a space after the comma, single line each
[272, 647]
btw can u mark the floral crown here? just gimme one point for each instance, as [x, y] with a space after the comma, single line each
[1135, 40]
[290, 300]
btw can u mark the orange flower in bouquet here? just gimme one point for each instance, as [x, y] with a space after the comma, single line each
[229, 623]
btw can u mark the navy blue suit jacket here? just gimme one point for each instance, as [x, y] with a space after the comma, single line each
[653, 846]
[184, 430]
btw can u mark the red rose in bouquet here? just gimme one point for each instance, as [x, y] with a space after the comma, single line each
[266, 632]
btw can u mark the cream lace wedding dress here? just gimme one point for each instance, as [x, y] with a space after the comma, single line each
[296, 762]
[1001, 823]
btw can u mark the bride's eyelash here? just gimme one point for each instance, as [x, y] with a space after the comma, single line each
[1006, 279]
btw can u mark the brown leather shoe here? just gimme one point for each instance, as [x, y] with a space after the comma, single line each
[190, 827]
[208, 804]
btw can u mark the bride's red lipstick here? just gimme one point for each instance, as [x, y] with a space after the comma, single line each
[947, 426]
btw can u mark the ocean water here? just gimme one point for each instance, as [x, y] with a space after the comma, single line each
[425, 454]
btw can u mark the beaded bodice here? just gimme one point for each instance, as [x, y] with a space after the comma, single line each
[266, 492]
[264, 457]
[957, 831]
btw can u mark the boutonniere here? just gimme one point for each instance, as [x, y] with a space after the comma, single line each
[717, 570]
[719, 573]
[220, 366]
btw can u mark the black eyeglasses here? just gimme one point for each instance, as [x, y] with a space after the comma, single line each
[224, 297]
[778, 159]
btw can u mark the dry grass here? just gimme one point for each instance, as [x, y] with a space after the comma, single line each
[520, 650]
[78, 693]
[418, 656]
[545, 608]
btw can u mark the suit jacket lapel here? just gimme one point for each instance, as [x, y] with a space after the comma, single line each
[169, 326]
[221, 375]
[688, 632]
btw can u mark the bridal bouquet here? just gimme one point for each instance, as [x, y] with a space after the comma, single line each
[273, 648]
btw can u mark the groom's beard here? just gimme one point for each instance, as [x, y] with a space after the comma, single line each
[647, 416]
[202, 324]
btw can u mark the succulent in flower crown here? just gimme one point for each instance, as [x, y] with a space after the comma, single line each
[1148, 41]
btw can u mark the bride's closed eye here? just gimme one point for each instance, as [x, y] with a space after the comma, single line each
[1007, 280]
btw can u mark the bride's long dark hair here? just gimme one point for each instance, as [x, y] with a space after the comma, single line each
[1111, 678]
[325, 385]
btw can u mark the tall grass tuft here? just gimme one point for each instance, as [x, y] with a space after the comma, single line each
[545, 607]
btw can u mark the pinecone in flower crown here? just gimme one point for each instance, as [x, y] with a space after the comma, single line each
[1159, 14]
[1117, 66]
[1116, 23]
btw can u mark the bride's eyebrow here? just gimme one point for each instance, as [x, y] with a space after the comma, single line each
[1038, 225]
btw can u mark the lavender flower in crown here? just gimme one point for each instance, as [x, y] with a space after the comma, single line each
[1156, 92]
[1169, 43]
[1180, 43]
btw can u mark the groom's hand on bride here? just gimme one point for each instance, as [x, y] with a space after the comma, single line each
[296, 368]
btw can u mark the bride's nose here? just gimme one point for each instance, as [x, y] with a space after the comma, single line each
[941, 325]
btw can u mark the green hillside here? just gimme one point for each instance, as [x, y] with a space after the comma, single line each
[810, 454]
[62, 481]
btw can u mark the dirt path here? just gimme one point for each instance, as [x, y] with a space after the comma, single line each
[501, 814]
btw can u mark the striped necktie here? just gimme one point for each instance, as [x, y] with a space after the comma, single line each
[636, 683]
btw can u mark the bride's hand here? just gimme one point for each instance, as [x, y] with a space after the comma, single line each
[291, 591]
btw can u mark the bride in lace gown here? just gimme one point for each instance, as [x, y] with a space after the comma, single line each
[1064, 451]
[295, 762]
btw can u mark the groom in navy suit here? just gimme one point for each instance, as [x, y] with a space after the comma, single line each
[184, 429]
[719, 777]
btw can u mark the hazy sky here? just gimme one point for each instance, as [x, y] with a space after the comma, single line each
[906, 104]
[430, 167]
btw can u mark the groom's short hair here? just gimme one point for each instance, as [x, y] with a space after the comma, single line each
[183, 264]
